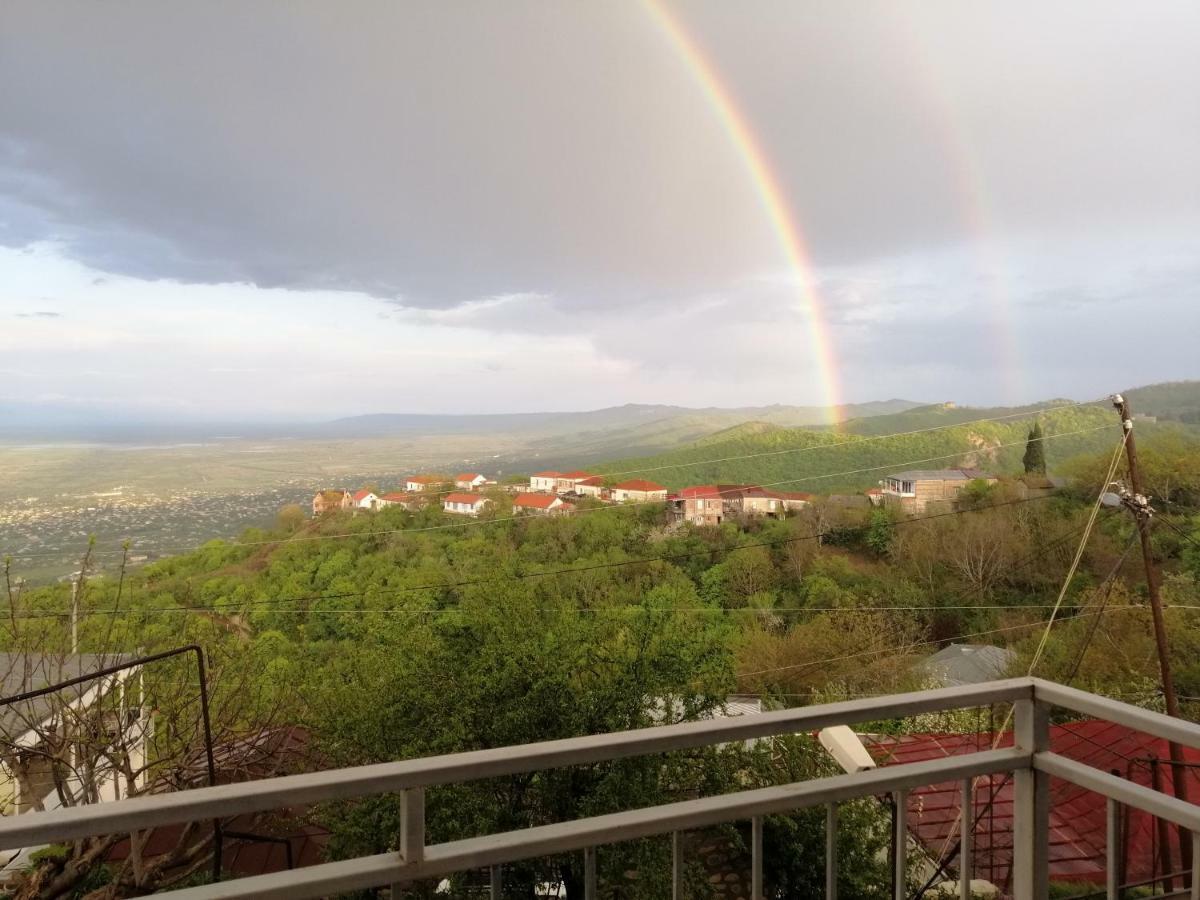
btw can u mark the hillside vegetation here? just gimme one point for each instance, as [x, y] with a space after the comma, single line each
[801, 459]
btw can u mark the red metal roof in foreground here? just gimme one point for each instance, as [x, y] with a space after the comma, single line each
[1077, 816]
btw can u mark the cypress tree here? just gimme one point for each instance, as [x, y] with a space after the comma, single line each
[1035, 451]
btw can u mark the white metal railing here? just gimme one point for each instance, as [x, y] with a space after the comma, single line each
[1029, 760]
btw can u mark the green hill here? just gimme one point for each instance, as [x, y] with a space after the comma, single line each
[1175, 400]
[822, 461]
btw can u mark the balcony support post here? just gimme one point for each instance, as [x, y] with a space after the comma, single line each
[900, 845]
[1194, 893]
[756, 858]
[966, 861]
[589, 874]
[412, 830]
[496, 882]
[831, 860]
[676, 865]
[1112, 844]
[1031, 805]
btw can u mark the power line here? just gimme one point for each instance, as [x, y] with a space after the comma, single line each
[516, 518]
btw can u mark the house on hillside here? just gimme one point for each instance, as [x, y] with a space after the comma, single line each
[544, 482]
[700, 505]
[710, 504]
[469, 481]
[1033, 485]
[592, 486]
[568, 481]
[465, 504]
[914, 490]
[402, 499]
[960, 664]
[366, 500]
[416, 484]
[541, 505]
[42, 761]
[638, 491]
[330, 501]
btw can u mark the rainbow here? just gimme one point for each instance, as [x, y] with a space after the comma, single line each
[974, 201]
[784, 224]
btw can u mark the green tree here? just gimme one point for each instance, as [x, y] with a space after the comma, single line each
[1035, 451]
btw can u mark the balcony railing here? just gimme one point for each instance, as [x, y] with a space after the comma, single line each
[1030, 761]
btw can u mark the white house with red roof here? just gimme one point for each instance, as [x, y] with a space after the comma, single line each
[469, 481]
[592, 486]
[638, 490]
[544, 482]
[365, 499]
[465, 504]
[541, 505]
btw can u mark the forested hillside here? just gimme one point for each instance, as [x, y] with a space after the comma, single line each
[400, 634]
[823, 462]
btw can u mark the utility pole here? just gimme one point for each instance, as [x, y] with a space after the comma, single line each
[1137, 502]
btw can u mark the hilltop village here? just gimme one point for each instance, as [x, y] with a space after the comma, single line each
[561, 494]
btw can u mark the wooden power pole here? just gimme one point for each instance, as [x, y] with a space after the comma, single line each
[1137, 502]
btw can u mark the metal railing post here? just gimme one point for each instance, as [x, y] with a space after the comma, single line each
[966, 861]
[900, 846]
[496, 882]
[589, 874]
[1031, 805]
[1112, 869]
[831, 860]
[676, 865]
[1195, 891]
[412, 830]
[756, 858]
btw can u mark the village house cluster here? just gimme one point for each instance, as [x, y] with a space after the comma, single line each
[557, 493]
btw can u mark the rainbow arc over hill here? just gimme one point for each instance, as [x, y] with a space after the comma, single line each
[774, 200]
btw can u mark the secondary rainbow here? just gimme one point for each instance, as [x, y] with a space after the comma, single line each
[785, 227]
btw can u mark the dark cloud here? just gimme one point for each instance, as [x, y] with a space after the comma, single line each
[438, 154]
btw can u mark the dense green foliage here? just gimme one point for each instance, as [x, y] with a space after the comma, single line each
[398, 634]
[800, 459]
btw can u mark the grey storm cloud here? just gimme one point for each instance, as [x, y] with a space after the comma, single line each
[441, 153]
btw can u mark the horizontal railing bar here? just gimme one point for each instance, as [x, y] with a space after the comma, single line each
[1143, 720]
[383, 778]
[1128, 792]
[546, 840]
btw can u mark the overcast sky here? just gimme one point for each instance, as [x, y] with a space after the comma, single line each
[221, 209]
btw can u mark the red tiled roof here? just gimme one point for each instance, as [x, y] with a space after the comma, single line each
[535, 501]
[466, 476]
[1077, 824]
[575, 475]
[793, 495]
[424, 479]
[592, 481]
[398, 497]
[546, 475]
[469, 499]
[700, 492]
[359, 495]
[639, 485]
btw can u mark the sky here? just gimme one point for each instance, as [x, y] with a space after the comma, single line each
[214, 210]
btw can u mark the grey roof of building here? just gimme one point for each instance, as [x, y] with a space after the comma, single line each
[21, 672]
[960, 664]
[930, 475]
